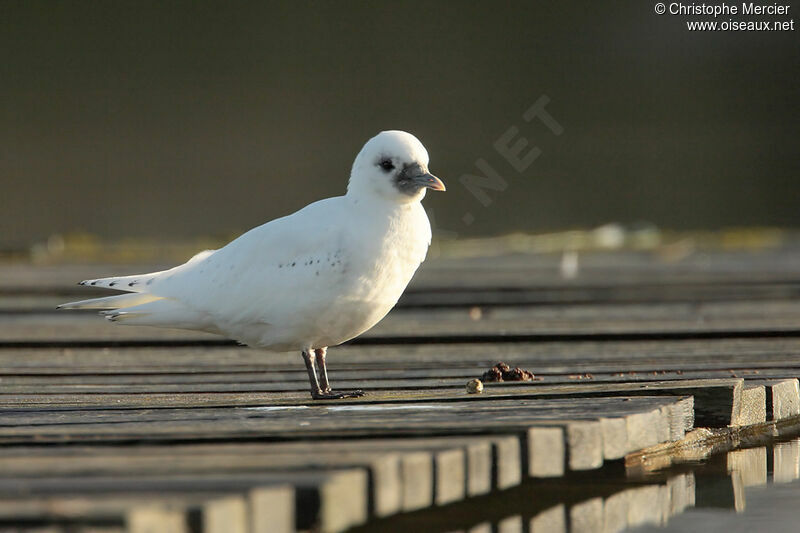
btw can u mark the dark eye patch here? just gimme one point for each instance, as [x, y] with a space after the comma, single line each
[386, 165]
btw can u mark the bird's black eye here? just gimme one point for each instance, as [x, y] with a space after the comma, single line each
[386, 165]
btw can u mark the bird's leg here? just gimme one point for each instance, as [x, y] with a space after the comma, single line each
[323, 369]
[309, 357]
[324, 389]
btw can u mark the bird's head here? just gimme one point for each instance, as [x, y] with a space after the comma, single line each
[393, 165]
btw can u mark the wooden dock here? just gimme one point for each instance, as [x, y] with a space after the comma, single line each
[109, 428]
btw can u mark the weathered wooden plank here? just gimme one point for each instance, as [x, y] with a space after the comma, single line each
[362, 413]
[584, 442]
[587, 319]
[508, 462]
[272, 509]
[485, 267]
[224, 379]
[388, 460]
[365, 418]
[641, 355]
[371, 380]
[481, 464]
[554, 450]
[226, 515]
[752, 408]
[384, 467]
[106, 507]
[716, 401]
[582, 437]
[643, 430]
[341, 504]
[460, 465]
[43, 299]
[109, 386]
[417, 472]
[546, 451]
[681, 418]
[670, 418]
[156, 520]
[489, 461]
[782, 398]
[332, 501]
[543, 505]
[450, 476]
[584, 445]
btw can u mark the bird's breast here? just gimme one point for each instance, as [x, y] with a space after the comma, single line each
[374, 275]
[327, 300]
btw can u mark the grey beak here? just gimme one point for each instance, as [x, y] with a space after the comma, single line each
[430, 181]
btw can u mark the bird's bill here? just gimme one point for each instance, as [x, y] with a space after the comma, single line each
[430, 181]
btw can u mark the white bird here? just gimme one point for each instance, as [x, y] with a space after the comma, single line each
[312, 279]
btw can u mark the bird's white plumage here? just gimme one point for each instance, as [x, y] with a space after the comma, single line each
[315, 278]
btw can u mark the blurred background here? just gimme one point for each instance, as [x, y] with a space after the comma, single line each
[173, 120]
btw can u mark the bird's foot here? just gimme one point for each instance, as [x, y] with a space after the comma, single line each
[330, 395]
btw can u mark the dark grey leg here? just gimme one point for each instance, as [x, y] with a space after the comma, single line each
[322, 391]
[323, 369]
[309, 359]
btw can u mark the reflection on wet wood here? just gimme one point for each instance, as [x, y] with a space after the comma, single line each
[651, 504]
[586, 516]
[786, 461]
[682, 493]
[511, 524]
[615, 512]
[715, 491]
[647, 505]
[553, 520]
[751, 463]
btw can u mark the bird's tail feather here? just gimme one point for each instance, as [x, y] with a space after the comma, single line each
[138, 306]
[138, 283]
[118, 301]
[164, 313]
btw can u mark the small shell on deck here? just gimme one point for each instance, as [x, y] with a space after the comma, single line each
[475, 386]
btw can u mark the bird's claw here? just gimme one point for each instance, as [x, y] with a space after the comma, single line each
[330, 395]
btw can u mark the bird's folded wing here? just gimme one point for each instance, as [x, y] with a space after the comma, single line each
[265, 268]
